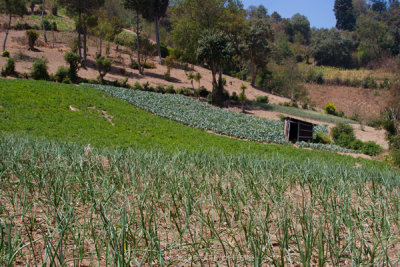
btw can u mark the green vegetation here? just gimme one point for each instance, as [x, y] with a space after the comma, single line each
[41, 109]
[145, 205]
[39, 70]
[303, 113]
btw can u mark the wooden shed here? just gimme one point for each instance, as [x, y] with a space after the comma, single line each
[298, 130]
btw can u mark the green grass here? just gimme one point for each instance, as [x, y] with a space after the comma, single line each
[63, 22]
[306, 114]
[41, 109]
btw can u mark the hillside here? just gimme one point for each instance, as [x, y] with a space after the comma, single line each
[147, 183]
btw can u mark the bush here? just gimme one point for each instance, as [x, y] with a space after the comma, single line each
[73, 60]
[322, 138]
[234, 96]
[371, 148]
[344, 140]
[160, 89]
[370, 83]
[164, 50]
[299, 58]
[170, 89]
[39, 71]
[148, 65]
[103, 66]
[32, 38]
[137, 86]
[395, 142]
[9, 68]
[202, 92]
[134, 65]
[356, 145]
[5, 53]
[330, 108]
[185, 91]
[395, 153]
[340, 129]
[167, 76]
[62, 73]
[262, 99]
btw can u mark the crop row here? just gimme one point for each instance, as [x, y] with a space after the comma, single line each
[204, 116]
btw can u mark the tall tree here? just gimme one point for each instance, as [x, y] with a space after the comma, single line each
[155, 11]
[11, 8]
[345, 17]
[214, 49]
[191, 17]
[257, 45]
[139, 7]
[84, 9]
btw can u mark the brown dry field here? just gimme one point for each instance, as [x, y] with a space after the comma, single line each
[350, 100]
[366, 103]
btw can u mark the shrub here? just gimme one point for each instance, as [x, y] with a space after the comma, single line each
[371, 148]
[32, 38]
[262, 99]
[160, 89]
[47, 25]
[103, 66]
[344, 140]
[202, 92]
[170, 89]
[134, 65]
[234, 96]
[62, 73]
[137, 86]
[340, 129]
[185, 91]
[5, 53]
[167, 76]
[39, 70]
[395, 142]
[299, 58]
[322, 138]
[73, 60]
[395, 153]
[146, 86]
[9, 68]
[148, 65]
[369, 82]
[356, 145]
[330, 108]
[164, 50]
[314, 76]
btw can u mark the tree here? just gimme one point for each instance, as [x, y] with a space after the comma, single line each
[11, 8]
[345, 17]
[371, 33]
[190, 77]
[103, 67]
[197, 77]
[331, 48]
[139, 7]
[192, 17]
[214, 49]
[299, 25]
[84, 9]
[257, 44]
[293, 77]
[155, 11]
[242, 96]
[43, 26]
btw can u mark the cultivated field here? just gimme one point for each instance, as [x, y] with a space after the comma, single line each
[151, 191]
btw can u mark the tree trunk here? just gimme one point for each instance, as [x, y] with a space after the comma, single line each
[43, 26]
[253, 72]
[84, 36]
[8, 28]
[79, 35]
[138, 42]
[157, 39]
